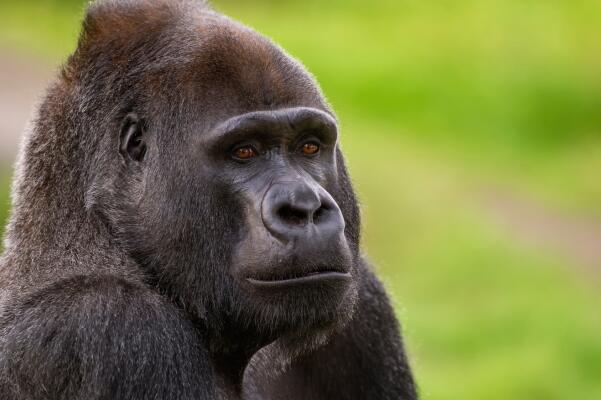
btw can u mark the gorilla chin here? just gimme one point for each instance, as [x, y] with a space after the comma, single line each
[320, 295]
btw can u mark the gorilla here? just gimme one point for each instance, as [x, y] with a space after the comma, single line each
[184, 226]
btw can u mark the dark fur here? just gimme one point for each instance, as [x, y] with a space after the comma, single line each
[114, 282]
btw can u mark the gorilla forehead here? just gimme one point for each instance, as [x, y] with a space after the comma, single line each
[233, 70]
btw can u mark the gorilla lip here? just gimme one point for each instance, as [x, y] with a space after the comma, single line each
[328, 276]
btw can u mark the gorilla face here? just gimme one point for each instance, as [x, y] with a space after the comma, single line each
[279, 164]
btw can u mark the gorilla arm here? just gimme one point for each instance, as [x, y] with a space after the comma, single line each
[100, 337]
[366, 360]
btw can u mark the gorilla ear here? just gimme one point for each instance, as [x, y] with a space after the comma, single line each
[132, 140]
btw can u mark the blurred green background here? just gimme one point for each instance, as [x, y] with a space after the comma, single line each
[473, 133]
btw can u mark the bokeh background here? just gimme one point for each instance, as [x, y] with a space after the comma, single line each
[473, 132]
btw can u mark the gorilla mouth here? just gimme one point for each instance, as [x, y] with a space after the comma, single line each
[329, 275]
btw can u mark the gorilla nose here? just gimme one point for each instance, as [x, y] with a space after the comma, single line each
[294, 210]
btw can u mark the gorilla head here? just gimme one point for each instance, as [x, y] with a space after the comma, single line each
[213, 159]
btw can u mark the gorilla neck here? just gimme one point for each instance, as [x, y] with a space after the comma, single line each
[65, 238]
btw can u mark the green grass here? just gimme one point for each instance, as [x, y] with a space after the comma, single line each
[485, 318]
[439, 99]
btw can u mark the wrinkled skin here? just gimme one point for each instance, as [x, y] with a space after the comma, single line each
[184, 226]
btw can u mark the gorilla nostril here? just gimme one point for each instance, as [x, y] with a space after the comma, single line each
[293, 216]
[318, 214]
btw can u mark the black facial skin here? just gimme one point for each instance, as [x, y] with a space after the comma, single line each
[295, 229]
[184, 226]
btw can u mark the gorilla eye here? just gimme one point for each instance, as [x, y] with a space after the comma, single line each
[310, 148]
[245, 153]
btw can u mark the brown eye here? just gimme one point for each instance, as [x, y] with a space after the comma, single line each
[245, 152]
[310, 148]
